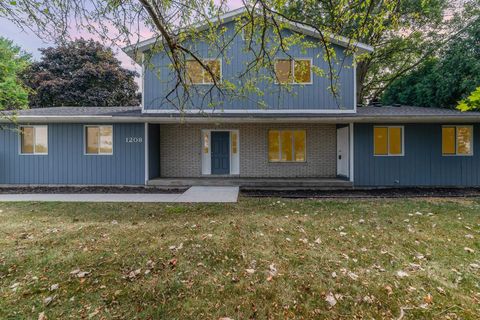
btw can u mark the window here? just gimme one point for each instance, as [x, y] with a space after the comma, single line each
[457, 140]
[34, 140]
[196, 74]
[388, 141]
[297, 71]
[98, 139]
[286, 145]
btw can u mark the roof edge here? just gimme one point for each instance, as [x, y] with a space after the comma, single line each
[229, 16]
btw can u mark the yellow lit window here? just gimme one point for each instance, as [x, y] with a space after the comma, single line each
[99, 139]
[286, 145]
[234, 142]
[34, 140]
[293, 71]
[196, 74]
[457, 140]
[388, 141]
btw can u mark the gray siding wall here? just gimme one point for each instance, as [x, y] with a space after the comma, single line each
[422, 164]
[159, 80]
[180, 149]
[66, 162]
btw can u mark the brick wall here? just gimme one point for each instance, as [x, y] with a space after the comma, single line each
[180, 150]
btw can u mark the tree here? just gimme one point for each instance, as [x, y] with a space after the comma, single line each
[443, 80]
[13, 94]
[174, 21]
[472, 102]
[403, 33]
[80, 73]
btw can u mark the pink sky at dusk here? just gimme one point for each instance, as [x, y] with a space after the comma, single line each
[31, 43]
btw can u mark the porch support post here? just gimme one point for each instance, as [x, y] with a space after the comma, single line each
[351, 153]
[146, 153]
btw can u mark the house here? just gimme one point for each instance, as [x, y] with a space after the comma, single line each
[305, 137]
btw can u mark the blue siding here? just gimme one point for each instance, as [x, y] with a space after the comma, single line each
[422, 164]
[159, 80]
[66, 162]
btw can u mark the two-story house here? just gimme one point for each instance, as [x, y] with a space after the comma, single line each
[301, 137]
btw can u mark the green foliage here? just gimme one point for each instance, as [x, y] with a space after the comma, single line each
[472, 102]
[13, 95]
[80, 73]
[442, 81]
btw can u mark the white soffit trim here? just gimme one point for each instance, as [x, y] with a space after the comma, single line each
[249, 111]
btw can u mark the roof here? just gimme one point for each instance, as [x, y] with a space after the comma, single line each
[386, 114]
[231, 15]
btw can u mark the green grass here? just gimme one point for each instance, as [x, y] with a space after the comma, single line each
[364, 242]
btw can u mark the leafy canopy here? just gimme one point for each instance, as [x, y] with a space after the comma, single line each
[444, 80]
[80, 73]
[472, 102]
[13, 95]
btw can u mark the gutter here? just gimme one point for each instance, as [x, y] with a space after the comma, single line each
[267, 119]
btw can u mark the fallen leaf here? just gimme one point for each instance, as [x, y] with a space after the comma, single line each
[250, 271]
[42, 316]
[330, 298]
[54, 287]
[401, 274]
[469, 250]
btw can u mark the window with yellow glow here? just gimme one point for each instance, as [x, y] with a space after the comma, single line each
[388, 141]
[457, 140]
[99, 139]
[286, 145]
[297, 71]
[197, 74]
[234, 142]
[34, 140]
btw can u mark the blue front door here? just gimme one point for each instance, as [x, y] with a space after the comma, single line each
[220, 152]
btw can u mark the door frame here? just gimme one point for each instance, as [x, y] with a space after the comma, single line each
[346, 149]
[206, 148]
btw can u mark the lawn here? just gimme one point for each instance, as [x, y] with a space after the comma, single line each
[258, 259]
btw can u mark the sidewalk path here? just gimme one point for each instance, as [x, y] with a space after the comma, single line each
[193, 194]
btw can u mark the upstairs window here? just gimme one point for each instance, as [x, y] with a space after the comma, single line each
[286, 145]
[388, 141]
[34, 140]
[196, 74]
[457, 140]
[297, 71]
[99, 140]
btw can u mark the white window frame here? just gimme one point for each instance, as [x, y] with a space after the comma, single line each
[456, 126]
[85, 140]
[34, 153]
[388, 142]
[280, 146]
[203, 72]
[292, 65]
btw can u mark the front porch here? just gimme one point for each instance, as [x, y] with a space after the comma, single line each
[251, 156]
[256, 183]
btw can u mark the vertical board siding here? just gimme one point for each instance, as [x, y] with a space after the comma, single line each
[422, 164]
[66, 162]
[159, 80]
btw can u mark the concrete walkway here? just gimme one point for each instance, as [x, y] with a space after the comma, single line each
[194, 194]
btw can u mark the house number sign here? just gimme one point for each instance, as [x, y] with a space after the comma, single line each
[133, 140]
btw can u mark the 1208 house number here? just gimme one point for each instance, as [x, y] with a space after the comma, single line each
[133, 140]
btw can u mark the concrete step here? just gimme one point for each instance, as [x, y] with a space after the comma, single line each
[256, 183]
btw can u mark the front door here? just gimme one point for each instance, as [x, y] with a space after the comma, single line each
[220, 141]
[343, 150]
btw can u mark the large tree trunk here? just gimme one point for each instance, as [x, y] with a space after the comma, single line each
[362, 69]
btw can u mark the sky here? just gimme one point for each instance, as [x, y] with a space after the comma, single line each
[29, 42]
